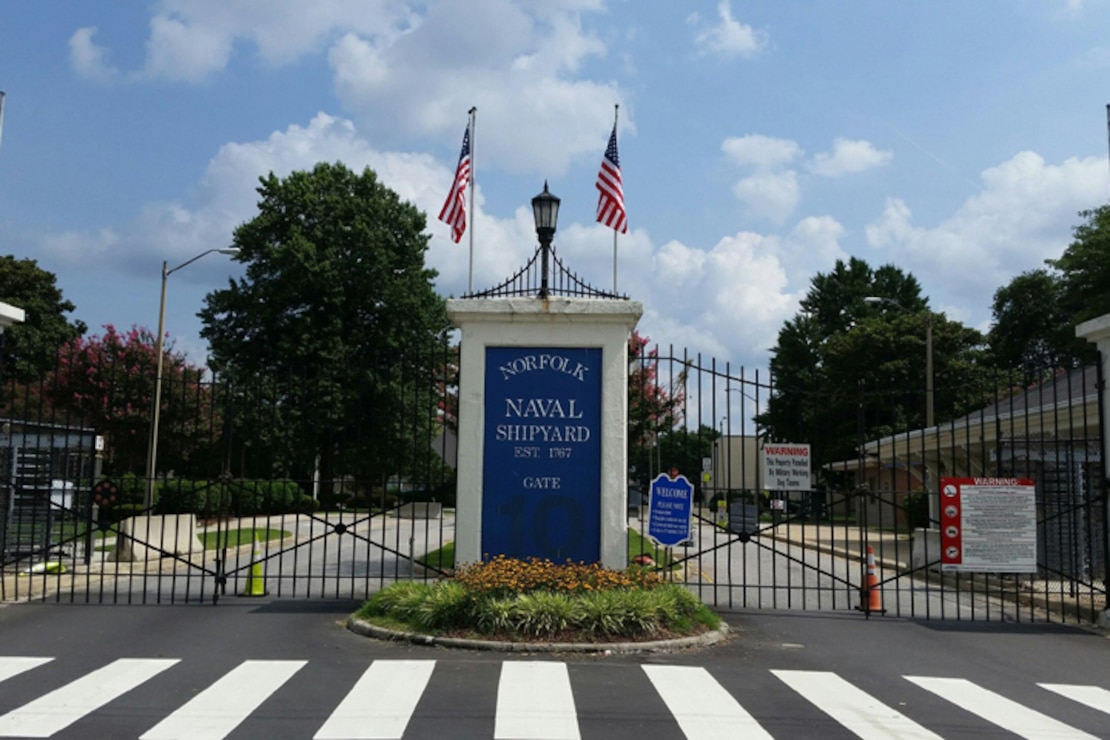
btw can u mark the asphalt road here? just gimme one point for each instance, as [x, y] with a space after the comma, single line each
[283, 668]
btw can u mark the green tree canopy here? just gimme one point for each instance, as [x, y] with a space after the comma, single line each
[335, 310]
[31, 348]
[1085, 268]
[1031, 328]
[845, 368]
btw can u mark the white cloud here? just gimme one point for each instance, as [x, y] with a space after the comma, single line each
[408, 70]
[761, 152]
[513, 61]
[849, 156]
[188, 53]
[729, 37]
[769, 195]
[1023, 215]
[89, 59]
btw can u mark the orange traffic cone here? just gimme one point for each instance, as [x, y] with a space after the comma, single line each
[870, 594]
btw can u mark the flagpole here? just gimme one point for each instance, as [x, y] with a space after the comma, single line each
[616, 111]
[1, 112]
[470, 273]
[1107, 121]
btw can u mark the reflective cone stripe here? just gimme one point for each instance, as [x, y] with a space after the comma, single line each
[871, 595]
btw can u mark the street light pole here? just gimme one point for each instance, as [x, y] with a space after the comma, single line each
[152, 446]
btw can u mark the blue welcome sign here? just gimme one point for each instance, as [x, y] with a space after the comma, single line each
[670, 506]
[541, 466]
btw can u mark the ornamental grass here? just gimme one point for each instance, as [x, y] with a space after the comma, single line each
[511, 599]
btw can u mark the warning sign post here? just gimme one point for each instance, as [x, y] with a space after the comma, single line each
[786, 467]
[988, 525]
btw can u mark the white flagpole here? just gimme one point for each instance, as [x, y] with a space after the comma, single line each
[616, 110]
[470, 275]
[1107, 120]
[1, 113]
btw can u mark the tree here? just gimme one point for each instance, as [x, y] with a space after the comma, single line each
[844, 368]
[1031, 329]
[31, 348]
[333, 331]
[1085, 268]
[107, 383]
[655, 405]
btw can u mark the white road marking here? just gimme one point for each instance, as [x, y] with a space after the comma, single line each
[534, 702]
[215, 712]
[1007, 714]
[1095, 697]
[381, 703]
[854, 708]
[55, 711]
[702, 707]
[13, 666]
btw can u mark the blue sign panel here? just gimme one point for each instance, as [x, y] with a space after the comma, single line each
[669, 507]
[541, 468]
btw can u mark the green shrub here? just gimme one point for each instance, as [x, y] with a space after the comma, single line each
[180, 496]
[445, 607]
[916, 509]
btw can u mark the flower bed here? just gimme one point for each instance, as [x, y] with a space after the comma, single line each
[536, 599]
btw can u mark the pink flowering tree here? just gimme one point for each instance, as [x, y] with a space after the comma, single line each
[107, 381]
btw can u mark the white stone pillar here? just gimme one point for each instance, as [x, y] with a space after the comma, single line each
[554, 323]
[1097, 331]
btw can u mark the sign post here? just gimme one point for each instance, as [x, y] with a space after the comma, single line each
[786, 467]
[670, 505]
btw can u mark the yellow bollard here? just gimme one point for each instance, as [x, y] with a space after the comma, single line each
[256, 583]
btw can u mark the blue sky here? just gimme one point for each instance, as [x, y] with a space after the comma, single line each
[759, 141]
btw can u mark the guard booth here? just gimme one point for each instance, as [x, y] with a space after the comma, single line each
[46, 477]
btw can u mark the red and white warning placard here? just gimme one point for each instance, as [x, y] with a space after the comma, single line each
[988, 525]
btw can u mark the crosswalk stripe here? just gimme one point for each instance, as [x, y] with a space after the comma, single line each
[15, 665]
[381, 703]
[215, 712]
[702, 707]
[534, 702]
[854, 708]
[1093, 696]
[62, 707]
[1007, 714]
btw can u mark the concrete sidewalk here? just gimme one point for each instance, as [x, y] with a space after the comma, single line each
[891, 549]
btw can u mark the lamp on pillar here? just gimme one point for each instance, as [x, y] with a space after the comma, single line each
[545, 210]
[152, 447]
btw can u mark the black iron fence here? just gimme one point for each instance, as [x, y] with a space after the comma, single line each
[763, 538]
[288, 486]
[294, 487]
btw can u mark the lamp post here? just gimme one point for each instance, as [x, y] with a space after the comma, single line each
[152, 447]
[545, 210]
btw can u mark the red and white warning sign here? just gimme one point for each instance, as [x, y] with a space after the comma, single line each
[988, 525]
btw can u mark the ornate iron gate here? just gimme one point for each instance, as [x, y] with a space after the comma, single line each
[866, 537]
[286, 488]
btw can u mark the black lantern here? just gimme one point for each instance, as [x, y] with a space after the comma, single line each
[545, 209]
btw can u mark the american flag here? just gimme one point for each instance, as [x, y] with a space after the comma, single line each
[610, 201]
[454, 208]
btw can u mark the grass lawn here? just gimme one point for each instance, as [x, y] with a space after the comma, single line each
[236, 537]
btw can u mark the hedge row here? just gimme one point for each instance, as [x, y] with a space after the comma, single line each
[208, 499]
[124, 496]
